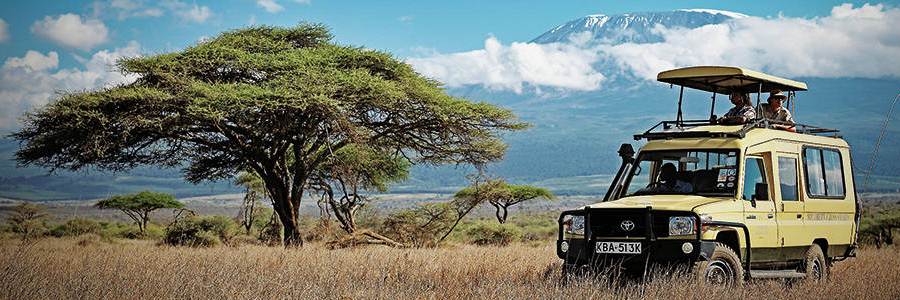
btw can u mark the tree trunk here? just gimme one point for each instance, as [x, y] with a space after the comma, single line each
[503, 214]
[499, 216]
[290, 225]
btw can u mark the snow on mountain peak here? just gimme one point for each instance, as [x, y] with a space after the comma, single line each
[735, 15]
[632, 27]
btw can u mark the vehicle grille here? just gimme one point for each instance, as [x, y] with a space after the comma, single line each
[607, 222]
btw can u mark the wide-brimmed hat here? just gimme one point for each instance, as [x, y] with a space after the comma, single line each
[776, 94]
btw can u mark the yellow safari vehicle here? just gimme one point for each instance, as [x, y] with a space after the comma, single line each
[730, 202]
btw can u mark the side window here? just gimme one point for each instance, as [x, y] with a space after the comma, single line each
[824, 172]
[754, 172]
[834, 174]
[815, 179]
[787, 174]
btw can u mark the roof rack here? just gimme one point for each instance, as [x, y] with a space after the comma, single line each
[668, 133]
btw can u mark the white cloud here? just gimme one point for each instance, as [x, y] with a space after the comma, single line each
[134, 9]
[192, 13]
[4, 31]
[33, 61]
[252, 20]
[405, 19]
[70, 31]
[307, 2]
[269, 5]
[851, 42]
[32, 80]
[512, 67]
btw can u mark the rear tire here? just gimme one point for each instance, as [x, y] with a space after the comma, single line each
[723, 267]
[814, 264]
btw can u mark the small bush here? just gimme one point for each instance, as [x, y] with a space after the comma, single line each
[201, 231]
[489, 233]
[76, 227]
[419, 227]
[270, 235]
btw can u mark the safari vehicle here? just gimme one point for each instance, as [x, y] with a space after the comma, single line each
[750, 201]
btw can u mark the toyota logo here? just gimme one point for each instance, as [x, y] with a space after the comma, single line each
[627, 225]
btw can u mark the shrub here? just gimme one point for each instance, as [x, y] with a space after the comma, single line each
[420, 226]
[489, 233]
[27, 220]
[200, 231]
[76, 227]
[271, 234]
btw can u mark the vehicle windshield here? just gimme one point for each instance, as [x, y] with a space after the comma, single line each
[695, 172]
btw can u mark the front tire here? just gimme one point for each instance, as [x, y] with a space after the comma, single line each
[814, 264]
[722, 268]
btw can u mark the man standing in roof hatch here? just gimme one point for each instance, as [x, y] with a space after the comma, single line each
[741, 113]
[775, 112]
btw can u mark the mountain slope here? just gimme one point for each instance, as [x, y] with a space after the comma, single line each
[631, 27]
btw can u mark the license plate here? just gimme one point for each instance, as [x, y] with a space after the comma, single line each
[619, 247]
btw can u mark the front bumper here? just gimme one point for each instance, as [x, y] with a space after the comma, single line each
[582, 252]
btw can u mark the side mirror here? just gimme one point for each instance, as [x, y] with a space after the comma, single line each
[761, 192]
[626, 152]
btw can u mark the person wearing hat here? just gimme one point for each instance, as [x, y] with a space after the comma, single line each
[741, 113]
[775, 112]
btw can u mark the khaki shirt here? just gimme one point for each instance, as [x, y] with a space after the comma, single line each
[781, 115]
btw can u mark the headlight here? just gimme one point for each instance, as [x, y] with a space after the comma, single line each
[573, 224]
[681, 225]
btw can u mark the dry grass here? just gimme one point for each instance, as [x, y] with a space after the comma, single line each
[78, 268]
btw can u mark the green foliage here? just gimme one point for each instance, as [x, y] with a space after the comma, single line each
[502, 195]
[141, 201]
[27, 220]
[421, 226]
[879, 229]
[200, 231]
[138, 206]
[280, 101]
[536, 227]
[76, 227]
[489, 233]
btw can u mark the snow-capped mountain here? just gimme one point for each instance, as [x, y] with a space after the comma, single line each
[632, 27]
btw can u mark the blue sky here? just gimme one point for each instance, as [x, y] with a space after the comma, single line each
[401, 27]
[52, 46]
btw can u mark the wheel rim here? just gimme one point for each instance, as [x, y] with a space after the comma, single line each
[719, 272]
[816, 270]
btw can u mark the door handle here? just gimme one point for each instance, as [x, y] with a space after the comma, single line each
[770, 216]
[799, 216]
[751, 217]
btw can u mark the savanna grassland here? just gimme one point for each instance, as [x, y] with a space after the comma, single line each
[57, 268]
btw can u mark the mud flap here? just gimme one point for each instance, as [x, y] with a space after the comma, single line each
[706, 249]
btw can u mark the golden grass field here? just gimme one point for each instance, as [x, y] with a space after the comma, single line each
[85, 268]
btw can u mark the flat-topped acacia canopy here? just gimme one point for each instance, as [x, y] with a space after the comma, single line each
[724, 80]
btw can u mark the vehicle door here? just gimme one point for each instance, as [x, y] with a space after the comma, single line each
[790, 205]
[759, 209]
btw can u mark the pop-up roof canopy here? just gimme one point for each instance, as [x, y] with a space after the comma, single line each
[724, 80]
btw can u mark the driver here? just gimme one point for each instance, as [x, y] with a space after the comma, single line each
[668, 183]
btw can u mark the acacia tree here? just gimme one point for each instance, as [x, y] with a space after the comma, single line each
[254, 191]
[138, 206]
[501, 195]
[350, 173]
[278, 101]
[28, 220]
